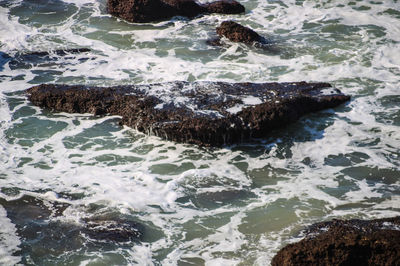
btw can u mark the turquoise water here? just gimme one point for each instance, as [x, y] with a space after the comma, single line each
[234, 205]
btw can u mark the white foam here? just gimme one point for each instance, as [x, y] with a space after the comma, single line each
[365, 191]
[235, 109]
[9, 241]
[247, 100]
[120, 169]
[251, 100]
[20, 32]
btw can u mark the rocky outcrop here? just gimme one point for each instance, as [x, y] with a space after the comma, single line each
[352, 242]
[204, 113]
[238, 33]
[224, 7]
[142, 11]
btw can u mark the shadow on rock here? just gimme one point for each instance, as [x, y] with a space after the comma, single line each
[144, 11]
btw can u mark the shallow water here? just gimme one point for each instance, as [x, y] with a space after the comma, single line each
[232, 205]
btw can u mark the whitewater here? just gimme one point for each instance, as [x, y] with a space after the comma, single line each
[235, 205]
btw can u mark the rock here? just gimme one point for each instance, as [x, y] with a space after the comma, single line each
[238, 33]
[143, 11]
[204, 113]
[352, 242]
[140, 10]
[224, 7]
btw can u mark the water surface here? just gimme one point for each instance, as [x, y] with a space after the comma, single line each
[234, 205]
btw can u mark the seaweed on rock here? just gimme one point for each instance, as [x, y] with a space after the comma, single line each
[204, 113]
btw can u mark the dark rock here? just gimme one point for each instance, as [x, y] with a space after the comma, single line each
[205, 113]
[143, 11]
[185, 8]
[352, 242]
[140, 10]
[224, 7]
[238, 33]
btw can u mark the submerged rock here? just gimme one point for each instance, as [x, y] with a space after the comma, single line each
[204, 113]
[27, 209]
[352, 242]
[117, 230]
[60, 52]
[26, 60]
[143, 11]
[238, 33]
[43, 232]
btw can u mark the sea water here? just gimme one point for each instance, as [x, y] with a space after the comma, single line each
[235, 205]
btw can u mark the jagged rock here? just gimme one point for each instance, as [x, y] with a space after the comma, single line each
[143, 11]
[204, 113]
[352, 242]
[238, 33]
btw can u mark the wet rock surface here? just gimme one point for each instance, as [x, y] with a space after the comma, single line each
[238, 33]
[351, 242]
[143, 11]
[204, 113]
